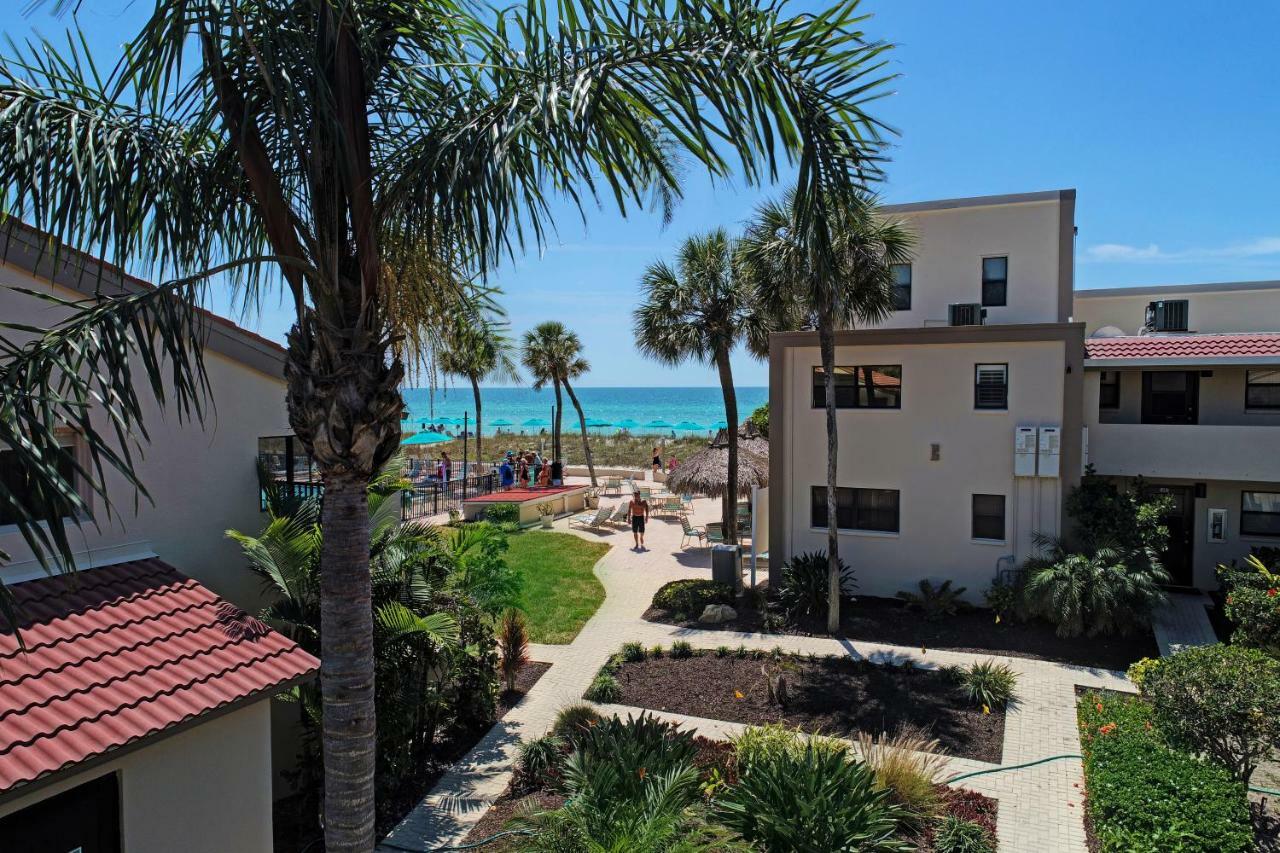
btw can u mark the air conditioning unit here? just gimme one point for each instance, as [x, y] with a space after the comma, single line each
[1168, 315]
[966, 314]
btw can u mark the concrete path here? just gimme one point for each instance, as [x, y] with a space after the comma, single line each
[1040, 807]
[1183, 622]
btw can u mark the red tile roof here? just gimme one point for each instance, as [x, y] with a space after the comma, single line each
[1184, 346]
[121, 653]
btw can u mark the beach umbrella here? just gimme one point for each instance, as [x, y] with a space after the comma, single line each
[537, 422]
[690, 426]
[658, 423]
[447, 421]
[500, 422]
[719, 425]
[707, 471]
[425, 438]
[627, 423]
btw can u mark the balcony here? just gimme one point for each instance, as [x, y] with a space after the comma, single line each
[1192, 452]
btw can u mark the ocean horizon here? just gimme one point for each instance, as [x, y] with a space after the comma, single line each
[702, 406]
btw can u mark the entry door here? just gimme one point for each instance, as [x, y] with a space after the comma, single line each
[84, 819]
[1170, 396]
[1177, 557]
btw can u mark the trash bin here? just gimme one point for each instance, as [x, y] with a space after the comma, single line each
[726, 565]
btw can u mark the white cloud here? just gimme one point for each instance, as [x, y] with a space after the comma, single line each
[1261, 247]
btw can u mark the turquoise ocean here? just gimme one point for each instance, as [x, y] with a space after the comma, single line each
[701, 406]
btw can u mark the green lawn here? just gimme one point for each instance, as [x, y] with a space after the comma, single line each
[560, 591]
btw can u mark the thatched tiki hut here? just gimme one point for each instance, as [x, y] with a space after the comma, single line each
[707, 471]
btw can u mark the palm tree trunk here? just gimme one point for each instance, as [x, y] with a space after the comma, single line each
[729, 505]
[827, 345]
[582, 425]
[555, 427]
[346, 668]
[475, 391]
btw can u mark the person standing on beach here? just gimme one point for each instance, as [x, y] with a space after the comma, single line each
[657, 460]
[639, 511]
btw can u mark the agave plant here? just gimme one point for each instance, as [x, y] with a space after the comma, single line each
[805, 587]
[936, 602]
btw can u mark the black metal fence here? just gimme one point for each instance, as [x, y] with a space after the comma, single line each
[426, 499]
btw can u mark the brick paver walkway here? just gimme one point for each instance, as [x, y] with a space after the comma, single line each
[1183, 622]
[1040, 807]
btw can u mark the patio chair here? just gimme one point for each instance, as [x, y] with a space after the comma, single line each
[688, 531]
[591, 520]
[671, 506]
[613, 486]
[715, 533]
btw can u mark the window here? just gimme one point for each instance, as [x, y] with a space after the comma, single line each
[16, 482]
[877, 386]
[991, 386]
[901, 286]
[1262, 389]
[988, 517]
[857, 509]
[995, 281]
[1109, 390]
[1260, 513]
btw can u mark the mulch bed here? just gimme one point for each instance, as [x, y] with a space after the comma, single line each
[887, 620]
[834, 696]
[965, 805]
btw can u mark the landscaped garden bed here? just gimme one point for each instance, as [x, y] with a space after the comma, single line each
[887, 620]
[836, 696]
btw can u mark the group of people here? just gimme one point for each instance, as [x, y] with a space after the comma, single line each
[527, 469]
[672, 462]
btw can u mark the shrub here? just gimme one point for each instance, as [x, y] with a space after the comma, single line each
[691, 596]
[804, 586]
[604, 688]
[760, 418]
[681, 649]
[573, 720]
[545, 508]
[809, 797]
[1139, 670]
[1003, 598]
[540, 761]
[989, 684]
[1223, 701]
[954, 835]
[513, 646]
[621, 747]
[656, 652]
[1146, 797]
[1131, 522]
[502, 514]
[1104, 592]
[722, 651]
[909, 766]
[936, 602]
[1253, 603]
[755, 598]
[632, 652]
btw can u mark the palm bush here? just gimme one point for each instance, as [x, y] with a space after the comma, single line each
[810, 797]
[604, 688]
[805, 586]
[573, 720]
[1105, 591]
[936, 602]
[988, 684]
[513, 646]
[909, 765]
[540, 762]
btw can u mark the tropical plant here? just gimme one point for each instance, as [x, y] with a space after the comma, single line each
[700, 310]
[476, 349]
[365, 156]
[540, 761]
[1003, 597]
[988, 684]
[513, 646]
[936, 602]
[502, 514]
[1130, 521]
[572, 720]
[805, 588]
[1252, 602]
[692, 595]
[853, 284]
[908, 764]
[810, 797]
[1222, 701]
[760, 418]
[553, 355]
[604, 688]
[1102, 592]
[632, 652]
[681, 649]
[955, 835]
[479, 569]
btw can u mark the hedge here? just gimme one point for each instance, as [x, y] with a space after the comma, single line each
[1146, 796]
[692, 596]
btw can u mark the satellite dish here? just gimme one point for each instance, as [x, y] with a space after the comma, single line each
[1109, 332]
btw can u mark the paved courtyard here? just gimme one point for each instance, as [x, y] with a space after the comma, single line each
[1040, 807]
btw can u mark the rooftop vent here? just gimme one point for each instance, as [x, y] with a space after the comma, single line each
[966, 314]
[1167, 315]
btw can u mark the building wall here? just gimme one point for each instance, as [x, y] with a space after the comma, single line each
[1221, 399]
[1246, 307]
[204, 790]
[891, 448]
[201, 478]
[1036, 236]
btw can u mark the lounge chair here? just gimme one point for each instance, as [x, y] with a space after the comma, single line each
[715, 533]
[688, 531]
[620, 515]
[671, 506]
[591, 520]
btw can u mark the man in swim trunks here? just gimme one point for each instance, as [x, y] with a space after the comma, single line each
[639, 511]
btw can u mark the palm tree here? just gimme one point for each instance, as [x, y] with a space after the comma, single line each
[478, 350]
[853, 286]
[553, 354]
[315, 146]
[701, 310]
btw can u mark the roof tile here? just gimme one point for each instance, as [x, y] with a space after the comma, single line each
[1184, 346]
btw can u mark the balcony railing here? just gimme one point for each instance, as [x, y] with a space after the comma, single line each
[1192, 452]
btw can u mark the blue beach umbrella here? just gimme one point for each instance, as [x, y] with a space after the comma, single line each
[447, 421]
[500, 422]
[690, 426]
[719, 425]
[425, 438]
[536, 422]
[627, 423]
[658, 423]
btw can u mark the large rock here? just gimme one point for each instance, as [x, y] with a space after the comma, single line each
[714, 614]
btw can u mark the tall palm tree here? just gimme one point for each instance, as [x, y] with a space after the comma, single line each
[574, 366]
[553, 355]
[538, 355]
[853, 286]
[478, 350]
[313, 145]
[700, 310]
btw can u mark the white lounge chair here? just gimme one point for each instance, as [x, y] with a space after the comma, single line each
[591, 520]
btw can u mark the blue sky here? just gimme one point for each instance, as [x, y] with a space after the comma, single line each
[1163, 115]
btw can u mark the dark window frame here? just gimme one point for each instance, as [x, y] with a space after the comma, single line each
[67, 469]
[1109, 392]
[1249, 386]
[848, 507]
[978, 386]
[989, 285]
[976, 519]
[1247, 514]
[901, 290]
[818, 389]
